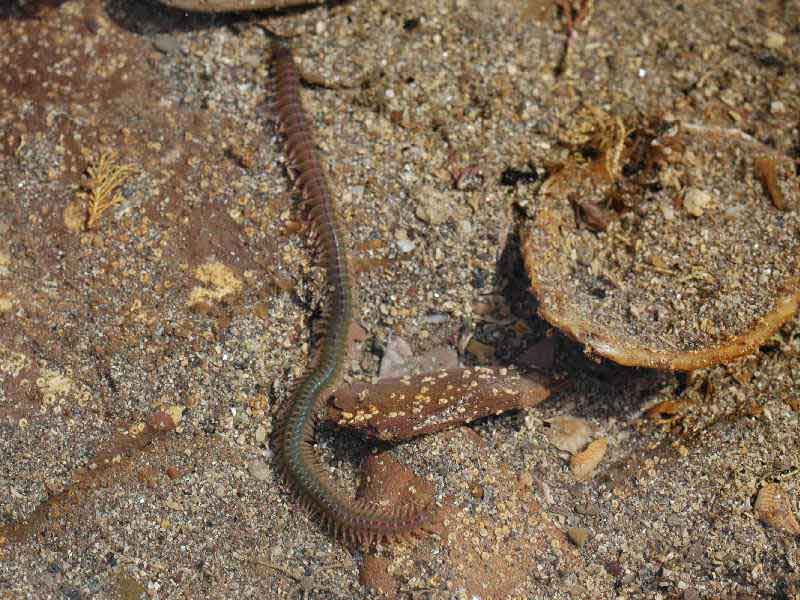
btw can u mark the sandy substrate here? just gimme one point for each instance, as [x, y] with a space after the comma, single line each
[190, 302]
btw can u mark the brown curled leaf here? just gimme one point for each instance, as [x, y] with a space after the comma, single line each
[618, 295]
[405, 407]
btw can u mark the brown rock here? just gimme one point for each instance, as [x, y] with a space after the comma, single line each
[386, 480]
[569, 433]
[403, 408]
[578, 536]
[374, 574]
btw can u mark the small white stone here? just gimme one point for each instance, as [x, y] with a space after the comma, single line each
[258, 469]
[405, 246]
[464, 228]
[776, 107]
[774, 40]
[696, 201]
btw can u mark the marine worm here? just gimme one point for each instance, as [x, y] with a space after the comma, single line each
[353, 520]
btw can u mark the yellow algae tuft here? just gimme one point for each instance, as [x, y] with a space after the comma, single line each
[11, 363]
[6, 303]
[175, 413]
[220, 281]
[104, 178]
[74, 215]
[55, 387]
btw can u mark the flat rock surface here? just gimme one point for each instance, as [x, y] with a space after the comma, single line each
[142, 359]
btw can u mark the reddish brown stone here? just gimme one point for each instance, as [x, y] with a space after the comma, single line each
[402, 408]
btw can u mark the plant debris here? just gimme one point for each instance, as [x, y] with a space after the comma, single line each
[105, 177]
[666, 282]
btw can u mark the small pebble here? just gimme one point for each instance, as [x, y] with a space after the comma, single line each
[464, 228]
[432, 206]
[776, 107]
[696, 201]
[175, 412]
[405, 246]
[589, 510]
[435, 318]
[568, 433]
[165, 43]
[395, 356]
[258, 469]
[577, 592]
[667, 211]
[578, 535]
[483, 352]
[774, 40]
[477, 491]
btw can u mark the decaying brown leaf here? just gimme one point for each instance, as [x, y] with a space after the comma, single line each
[766, 173]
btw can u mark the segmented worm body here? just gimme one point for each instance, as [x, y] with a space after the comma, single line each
[352, 519]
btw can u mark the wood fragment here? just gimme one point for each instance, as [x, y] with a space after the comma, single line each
[403, 408]
[584, 463]
[767, 175]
